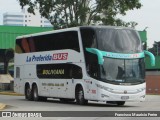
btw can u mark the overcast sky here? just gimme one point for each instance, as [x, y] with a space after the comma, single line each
[147, 16]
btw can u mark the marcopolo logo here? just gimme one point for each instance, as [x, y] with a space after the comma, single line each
[47, 57]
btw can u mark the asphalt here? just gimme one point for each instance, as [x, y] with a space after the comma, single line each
[2, 105]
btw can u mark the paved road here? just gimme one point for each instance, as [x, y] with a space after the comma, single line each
[18, 103]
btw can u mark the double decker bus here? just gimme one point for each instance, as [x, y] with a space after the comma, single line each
[88, 63]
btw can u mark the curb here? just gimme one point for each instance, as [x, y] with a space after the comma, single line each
[10, 93]
[2, 106]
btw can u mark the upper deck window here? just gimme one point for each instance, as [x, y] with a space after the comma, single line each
[48, 42]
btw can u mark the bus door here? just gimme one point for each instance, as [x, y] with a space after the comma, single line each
[74, 75]
[92, 71]
[70, 88]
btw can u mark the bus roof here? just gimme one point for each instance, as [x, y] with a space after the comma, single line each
[108, 27]
[72, 29]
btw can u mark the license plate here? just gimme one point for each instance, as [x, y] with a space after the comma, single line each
[124, 97]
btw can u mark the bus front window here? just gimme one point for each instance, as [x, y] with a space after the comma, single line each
[118, 40]
[122, 71]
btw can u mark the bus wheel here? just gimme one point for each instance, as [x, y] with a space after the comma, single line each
[80, 96]
[28, 93]
[120, 103]
[35, 93]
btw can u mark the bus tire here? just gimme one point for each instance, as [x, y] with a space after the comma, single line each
[120, 103]
[28, 93]
[35, 93]
[80, 96]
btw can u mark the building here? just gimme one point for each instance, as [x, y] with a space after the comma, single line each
[13, 19]
[8, 36]
[25, 19]
[153, 76]
[152, 72]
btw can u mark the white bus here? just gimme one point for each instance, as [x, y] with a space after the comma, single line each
[92, 63]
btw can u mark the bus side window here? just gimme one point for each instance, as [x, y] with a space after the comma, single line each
[57, 41]
[25, 45]
[59, 71]
[31, 44]
[75, 72]
[19, 48]
[89, 41]
[92, 65]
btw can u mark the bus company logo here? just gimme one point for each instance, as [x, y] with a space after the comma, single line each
[47, 57]
[115, 55]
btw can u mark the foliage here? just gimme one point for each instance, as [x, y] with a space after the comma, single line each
[155, 49]
[68, 13]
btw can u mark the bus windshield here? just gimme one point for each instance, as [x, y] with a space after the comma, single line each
[118, 40]
[115, 40]
[122, 71]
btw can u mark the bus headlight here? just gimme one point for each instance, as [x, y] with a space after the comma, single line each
[141, 89]
[109, 89]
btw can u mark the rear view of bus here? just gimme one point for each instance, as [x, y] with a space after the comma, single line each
[115, 60]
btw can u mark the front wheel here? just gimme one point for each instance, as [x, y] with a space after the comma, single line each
[80, 96]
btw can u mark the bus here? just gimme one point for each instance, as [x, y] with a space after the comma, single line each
[86, 63]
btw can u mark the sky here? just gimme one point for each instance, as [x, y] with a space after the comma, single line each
[146, 16]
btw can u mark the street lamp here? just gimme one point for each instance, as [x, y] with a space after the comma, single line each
[145, 37]
[145, 28]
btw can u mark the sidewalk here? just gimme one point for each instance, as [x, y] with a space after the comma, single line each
[2, 106]
[10, 93]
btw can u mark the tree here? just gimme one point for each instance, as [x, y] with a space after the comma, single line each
[68, 13]
[5, 56]
[155, 49]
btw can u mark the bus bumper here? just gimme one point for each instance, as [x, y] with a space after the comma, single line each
[122, 93]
